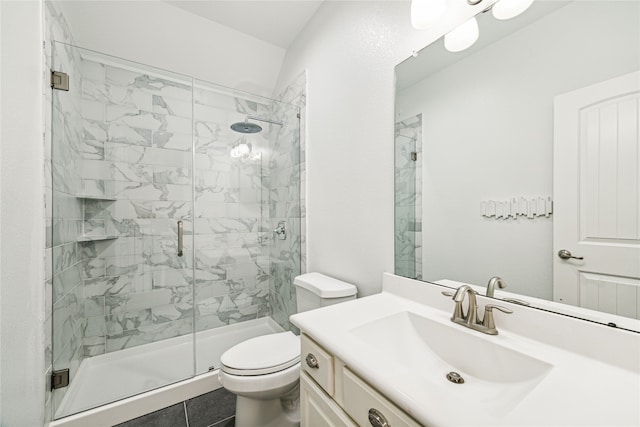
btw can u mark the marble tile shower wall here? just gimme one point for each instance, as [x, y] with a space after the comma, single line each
[286, 201]
[231, 214]
[408, 204]
[137, 153]
[137, 136]
[295, 94]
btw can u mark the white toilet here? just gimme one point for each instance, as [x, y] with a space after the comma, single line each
[264, 372]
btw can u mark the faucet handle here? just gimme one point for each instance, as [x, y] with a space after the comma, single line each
[458, 312]
[516, 301]
[490, 307]
[488, 321]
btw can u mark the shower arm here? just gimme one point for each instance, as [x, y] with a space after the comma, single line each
[258, 119]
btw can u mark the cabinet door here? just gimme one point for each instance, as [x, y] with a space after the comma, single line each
[317, 409]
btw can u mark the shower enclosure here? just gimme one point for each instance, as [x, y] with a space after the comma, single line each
[163, 219]
[408, 197]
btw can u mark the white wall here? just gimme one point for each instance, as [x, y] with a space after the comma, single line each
[505, 146]
[1, 219]
[158, 34]
[349, 50]
[21, 215]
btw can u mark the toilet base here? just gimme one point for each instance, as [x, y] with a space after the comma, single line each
[279, 412]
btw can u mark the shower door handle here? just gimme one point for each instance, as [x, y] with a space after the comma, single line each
[180, 233]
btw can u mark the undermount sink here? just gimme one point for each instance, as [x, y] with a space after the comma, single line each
[430, 349]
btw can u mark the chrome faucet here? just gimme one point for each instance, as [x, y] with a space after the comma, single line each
[470, 319]
[491, 286]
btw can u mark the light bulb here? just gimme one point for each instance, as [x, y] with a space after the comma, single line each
[507, 9]
[241, 148]
[462, 37]
[425, 13]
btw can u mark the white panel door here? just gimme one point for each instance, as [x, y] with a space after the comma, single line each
[596, 189]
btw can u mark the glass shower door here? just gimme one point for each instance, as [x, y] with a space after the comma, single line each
[122, 227]
[408, 197]
[231, 253]
[247, 184]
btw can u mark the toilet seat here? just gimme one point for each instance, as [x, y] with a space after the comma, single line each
[262, 355]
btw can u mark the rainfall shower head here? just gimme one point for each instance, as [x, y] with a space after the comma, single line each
[246, 127]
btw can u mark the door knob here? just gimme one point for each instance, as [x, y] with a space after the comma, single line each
[565, 254]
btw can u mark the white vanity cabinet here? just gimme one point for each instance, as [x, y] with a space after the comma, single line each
[332, 395]
[390, 352]
[317, 409]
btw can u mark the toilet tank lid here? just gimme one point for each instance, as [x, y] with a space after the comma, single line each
[325, 286]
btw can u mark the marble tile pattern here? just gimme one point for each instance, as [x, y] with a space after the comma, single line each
[137, 151]
[138, 137]
[408, 190]
[286, 201]
[231, 253]
[296, 94]
[136, 154]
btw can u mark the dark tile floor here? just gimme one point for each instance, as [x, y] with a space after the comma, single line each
[216, 408]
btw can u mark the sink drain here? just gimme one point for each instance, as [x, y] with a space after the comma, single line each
[455, 377]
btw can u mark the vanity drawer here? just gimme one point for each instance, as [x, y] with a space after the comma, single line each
[317, 363]
[360, 400]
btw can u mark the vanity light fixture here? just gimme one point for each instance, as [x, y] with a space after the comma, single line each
[462, 37]
[507, 9]
[425, 13]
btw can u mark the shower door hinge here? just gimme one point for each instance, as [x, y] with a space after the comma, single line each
[414, 156]
[298, 115]
[59, 80]
[59, 379]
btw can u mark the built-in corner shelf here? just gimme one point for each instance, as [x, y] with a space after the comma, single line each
[82, 239]
[108, 199]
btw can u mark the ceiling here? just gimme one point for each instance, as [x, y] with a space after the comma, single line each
[275, 22]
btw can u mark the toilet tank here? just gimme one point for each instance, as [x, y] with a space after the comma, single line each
[315, 290]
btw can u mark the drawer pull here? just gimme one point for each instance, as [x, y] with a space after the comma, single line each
[312, 362]
[377, 419]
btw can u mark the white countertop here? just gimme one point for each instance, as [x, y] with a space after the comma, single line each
[594, 378]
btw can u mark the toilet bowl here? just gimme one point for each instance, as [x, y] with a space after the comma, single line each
[264, 372]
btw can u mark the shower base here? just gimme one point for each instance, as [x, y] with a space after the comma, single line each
[113, 377]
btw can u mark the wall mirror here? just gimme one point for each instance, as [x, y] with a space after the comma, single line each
[521, 146]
